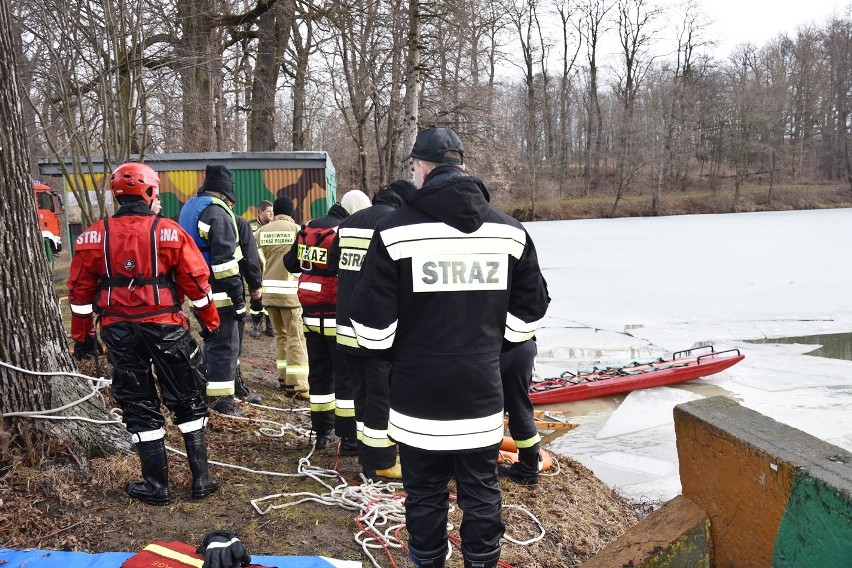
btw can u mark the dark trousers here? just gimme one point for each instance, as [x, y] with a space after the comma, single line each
[370, 378]
[132, 348]
[425, 476]
[516, 367]
[328, 382]
[221, 353]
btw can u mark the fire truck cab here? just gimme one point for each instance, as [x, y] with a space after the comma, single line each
[50, 207]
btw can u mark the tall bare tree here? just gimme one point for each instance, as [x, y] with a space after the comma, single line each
[411, 101]
[30, 297]
[593, 26]
[634, 35]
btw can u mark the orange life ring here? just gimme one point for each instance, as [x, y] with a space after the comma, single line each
[509, 454]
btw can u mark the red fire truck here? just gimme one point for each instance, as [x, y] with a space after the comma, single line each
[49, 206]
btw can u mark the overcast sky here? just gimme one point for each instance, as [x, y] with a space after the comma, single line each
[757, 21]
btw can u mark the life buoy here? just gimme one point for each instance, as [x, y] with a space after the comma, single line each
[509, 454]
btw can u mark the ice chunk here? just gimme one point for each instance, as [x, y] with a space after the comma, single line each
[644, 409]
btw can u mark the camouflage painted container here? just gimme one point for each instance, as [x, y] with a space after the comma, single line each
[308, 178]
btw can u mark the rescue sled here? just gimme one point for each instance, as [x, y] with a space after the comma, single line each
[681, 367]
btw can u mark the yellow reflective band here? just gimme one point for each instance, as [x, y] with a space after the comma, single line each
[354, 242]
[225, 270]
[529, 442]
[203, 230]
[375, 438]
[347, 341]
[297, 370]
[220, 388]
[326, 407]
[281, 364]
[174, 555]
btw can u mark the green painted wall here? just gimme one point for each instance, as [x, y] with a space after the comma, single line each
[816, 529]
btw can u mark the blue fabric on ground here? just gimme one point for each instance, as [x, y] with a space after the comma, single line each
[59, 559]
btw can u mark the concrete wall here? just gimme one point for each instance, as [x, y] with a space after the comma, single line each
[774, 496]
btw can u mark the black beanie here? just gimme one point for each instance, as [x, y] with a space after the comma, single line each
[283, 206]
[218, 178]
[403, 188]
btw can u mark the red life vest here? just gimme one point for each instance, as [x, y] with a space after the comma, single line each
[318, 281]
[135, 286]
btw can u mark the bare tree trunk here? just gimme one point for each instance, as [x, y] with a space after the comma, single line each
[411, 104]
[31, 332]
[262, 113]
[196, 53]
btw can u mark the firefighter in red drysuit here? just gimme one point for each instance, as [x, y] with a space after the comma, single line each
[134, 270]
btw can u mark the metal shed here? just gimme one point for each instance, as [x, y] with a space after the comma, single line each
[306, 177]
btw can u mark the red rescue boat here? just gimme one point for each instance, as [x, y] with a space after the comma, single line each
[681, 367]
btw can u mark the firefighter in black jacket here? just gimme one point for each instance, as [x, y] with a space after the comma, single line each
[448, 283]
[369, 376]
[208, 218]
[332, 405]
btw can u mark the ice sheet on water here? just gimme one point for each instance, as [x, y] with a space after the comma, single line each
[644, 409]
[783, 372]
[635, 462]
[657, 490]
[668, 282]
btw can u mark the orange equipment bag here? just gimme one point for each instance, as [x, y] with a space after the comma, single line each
[174, 554]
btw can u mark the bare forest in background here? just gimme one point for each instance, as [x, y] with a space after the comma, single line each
[600, 100]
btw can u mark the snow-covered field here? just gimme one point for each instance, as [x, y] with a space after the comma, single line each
[638, 288]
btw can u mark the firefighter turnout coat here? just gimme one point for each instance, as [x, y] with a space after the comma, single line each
[354, 235]
[448, 281]
[274, 240]
[138, 267]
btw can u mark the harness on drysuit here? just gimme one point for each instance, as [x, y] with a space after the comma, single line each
[133, 287]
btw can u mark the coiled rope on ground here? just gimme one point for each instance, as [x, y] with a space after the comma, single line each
[380, 505]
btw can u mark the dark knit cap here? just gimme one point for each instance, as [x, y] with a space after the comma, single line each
[218, 178]
[403, 188]
[432, 143]
[283, 206]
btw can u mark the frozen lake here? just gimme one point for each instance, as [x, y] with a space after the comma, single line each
[639, 288]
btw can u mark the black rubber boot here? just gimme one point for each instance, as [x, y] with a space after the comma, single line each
[525, 470]
[154, 490]
[196, 452]
[325, 440]
[269, 331]
[255, 325]
[225, 405]
[428, 558]
[348, 447]
[486, 560]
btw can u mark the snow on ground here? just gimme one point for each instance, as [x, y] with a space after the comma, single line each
[638, 288]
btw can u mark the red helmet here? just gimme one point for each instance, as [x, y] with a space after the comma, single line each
[134, 178]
